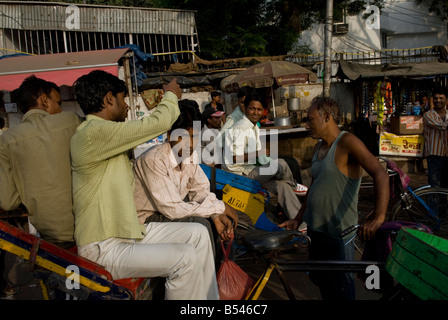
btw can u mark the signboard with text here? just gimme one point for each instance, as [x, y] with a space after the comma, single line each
[400, 145]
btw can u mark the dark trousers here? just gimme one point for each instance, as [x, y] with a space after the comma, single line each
[333, 285]
[438, 171]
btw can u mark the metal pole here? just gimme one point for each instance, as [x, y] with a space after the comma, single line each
[127, 79]
[273, 101]
[327, 44]
[65, 41]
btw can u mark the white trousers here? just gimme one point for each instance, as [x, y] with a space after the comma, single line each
[180, 252]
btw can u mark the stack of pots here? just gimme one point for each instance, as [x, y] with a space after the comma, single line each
[293, 106]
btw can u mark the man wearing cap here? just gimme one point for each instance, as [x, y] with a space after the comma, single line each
[211, 124]
[212, 119]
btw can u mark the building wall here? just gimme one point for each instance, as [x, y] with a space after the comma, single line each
[403, 25]
[408, 25]
[358, 38]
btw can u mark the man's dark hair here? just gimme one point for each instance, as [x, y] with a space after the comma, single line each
[90, 90]
[215, 93]
[327, 105]
[440, 90]
[189, 112]
[244, 91]
[30, 90]
[253, 96]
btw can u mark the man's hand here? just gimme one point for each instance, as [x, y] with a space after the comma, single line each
[368, 229]
[231, 214]
[174, 87]
[291, 224]
[224, 227]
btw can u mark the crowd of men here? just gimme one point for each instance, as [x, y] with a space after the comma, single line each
[156, 216]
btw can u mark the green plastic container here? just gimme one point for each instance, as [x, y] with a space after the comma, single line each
[419, 261]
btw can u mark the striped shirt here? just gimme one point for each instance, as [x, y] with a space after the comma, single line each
[161, 185]
[103, 182]
[435, 134]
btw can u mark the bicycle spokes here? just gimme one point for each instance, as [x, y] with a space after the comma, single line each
[431, 205]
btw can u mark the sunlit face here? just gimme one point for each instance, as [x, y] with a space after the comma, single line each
[315, 122]
[254, 111]
[439, 101]
[183, 140]
[120, 108]
[53, 102]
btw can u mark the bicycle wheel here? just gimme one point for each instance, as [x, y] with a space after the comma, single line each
[435, 199]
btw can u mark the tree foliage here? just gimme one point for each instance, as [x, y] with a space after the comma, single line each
[439, 7]
[236, 28]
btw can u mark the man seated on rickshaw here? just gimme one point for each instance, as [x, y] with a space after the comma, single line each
[107, 230]
[170, 184]
[35, 161]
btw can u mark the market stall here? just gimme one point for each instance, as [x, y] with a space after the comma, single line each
[272, 75]
[390, 100]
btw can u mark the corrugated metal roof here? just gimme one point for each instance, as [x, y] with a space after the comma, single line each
[94, 18]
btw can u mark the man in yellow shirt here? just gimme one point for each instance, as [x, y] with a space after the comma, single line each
[107, 229]
[35, 161]
[35, 164]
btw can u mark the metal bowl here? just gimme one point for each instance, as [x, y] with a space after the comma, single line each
[282, 121]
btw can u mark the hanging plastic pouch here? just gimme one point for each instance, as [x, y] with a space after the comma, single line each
[233, 282]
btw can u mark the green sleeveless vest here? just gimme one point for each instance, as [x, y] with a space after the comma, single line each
[332, 203]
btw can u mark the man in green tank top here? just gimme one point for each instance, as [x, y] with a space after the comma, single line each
[332, 199]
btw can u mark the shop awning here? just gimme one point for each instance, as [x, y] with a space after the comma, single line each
[354, 71]
[60, 68]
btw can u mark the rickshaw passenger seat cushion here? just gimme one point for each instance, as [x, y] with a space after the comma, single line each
[259, 240]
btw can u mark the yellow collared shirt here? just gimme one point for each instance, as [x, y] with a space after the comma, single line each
[103, 183]
[35, 170]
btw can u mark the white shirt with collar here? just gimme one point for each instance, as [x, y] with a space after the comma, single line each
[243, 137]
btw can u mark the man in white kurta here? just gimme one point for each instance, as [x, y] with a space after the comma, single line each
[243, 155]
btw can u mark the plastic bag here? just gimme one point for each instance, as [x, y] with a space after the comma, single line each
[233, 282]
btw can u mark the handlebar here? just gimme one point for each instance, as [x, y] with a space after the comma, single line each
[349, 230]
[389, 169]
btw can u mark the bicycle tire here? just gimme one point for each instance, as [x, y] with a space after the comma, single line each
[436, 198]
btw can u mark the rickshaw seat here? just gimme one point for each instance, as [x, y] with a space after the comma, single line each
[264, 241]
[55, 259]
